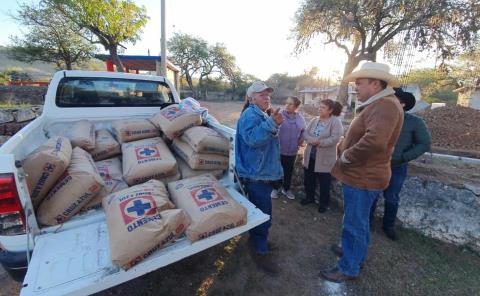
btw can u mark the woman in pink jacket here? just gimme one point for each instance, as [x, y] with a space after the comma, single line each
[322, 136]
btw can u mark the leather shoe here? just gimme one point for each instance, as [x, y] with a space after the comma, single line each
[266, 263]
[334, 275]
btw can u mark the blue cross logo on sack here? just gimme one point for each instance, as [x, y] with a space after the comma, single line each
[203, 196]
[139, 207]
[146, 152]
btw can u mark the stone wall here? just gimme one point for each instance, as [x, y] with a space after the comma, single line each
[14, 119]
[18, 94]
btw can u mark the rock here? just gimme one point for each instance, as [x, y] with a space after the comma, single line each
[12, 127]
[38, 110]
[23, 115]
[473, 188]
[6, 116]
[441, 211]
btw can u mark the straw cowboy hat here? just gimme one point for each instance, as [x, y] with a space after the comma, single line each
[373, 70]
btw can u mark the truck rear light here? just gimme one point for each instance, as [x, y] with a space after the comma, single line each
[12, 217]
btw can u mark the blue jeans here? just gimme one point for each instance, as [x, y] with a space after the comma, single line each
[259, 195]
[356, 228]
[392, 196]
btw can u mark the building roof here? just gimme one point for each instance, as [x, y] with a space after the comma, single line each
[139, 62]
[326, 89]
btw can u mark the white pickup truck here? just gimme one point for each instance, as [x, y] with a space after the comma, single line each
[74, 258]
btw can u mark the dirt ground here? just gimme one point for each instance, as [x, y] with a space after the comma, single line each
[413, 265]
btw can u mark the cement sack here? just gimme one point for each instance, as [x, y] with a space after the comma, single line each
[133, 130]
[147, 159]
[111, 172]
[172, 178]
[75, 188]
[203, 139]
[140, 221]
[199, 161]
[45, 165]
[173, 121]
[209, 205]
[81, 134]
[187, 172]
[105, 146]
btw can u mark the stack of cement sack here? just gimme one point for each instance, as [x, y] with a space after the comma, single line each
[202, 148]
[209, 205]
[75, 188]
[140, 220]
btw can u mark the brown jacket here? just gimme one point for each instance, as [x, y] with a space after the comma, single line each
[326, 153]
[369, 143]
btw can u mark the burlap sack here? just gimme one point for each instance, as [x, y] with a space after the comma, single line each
[111, 172]
[173, 121]
[209, 205]
[80, 182]
[187, 172]
[203, 139]
[147, 159]
[45, 165]
[134, 129]
[139, 222]
[105, 145]
[199, 161]
[81, 134]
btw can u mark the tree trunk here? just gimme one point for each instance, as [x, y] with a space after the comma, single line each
[352, 62]
[116, 60]
[190, 84]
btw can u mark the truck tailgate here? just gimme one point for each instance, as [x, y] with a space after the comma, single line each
[77, 261]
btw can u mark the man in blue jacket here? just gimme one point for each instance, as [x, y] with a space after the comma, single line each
[257, 161]
[414, 140]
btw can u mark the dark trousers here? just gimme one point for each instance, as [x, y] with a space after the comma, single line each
[310, 182]
[391, 196]
[287, 164]
[259, 195]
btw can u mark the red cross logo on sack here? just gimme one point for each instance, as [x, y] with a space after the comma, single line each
[203, 196]
[146, 152]
[135, 208]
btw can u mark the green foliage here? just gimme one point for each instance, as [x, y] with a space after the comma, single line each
[197, 59]
[52, 38]
[436, 85]
[110, 22]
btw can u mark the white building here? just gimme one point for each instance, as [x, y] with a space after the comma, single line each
[313, 95]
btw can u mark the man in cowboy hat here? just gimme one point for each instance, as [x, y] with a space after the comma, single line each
[363, 165]
[414, 140]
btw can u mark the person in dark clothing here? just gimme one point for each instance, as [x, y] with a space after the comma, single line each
[414, 140]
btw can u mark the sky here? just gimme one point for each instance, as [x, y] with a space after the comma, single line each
[257, 33]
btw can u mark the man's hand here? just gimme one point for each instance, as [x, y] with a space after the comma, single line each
[276, 116]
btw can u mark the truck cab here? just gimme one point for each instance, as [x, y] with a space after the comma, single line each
[74, 257]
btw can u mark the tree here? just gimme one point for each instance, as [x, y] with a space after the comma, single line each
[362, 28]
[51, 39]
[187, 52]
[111, 22]
[436, 85]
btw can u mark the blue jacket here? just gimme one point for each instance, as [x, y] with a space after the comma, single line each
[257, 150]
